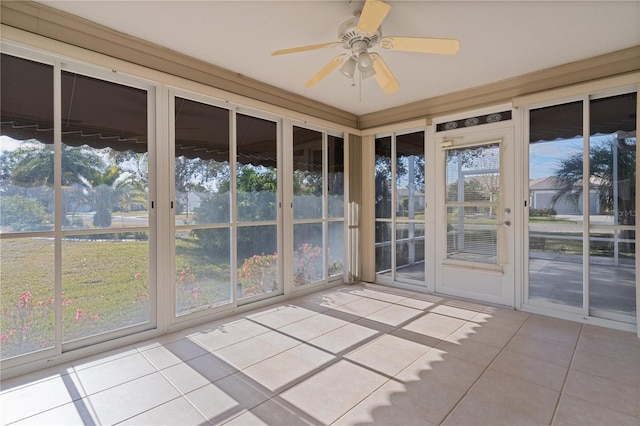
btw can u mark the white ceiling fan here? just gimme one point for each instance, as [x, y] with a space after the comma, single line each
[362, 32]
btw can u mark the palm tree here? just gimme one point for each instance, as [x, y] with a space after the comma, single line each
[33, 166]
[612, 173]
[569, 177]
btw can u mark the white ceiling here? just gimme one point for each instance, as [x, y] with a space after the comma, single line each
[499, 40]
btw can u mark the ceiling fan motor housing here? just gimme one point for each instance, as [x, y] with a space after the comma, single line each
[355, 40]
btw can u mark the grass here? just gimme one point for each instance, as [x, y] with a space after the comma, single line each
[105, 287]
[548, 219]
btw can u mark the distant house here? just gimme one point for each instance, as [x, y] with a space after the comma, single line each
[402, 195]
[543, 190]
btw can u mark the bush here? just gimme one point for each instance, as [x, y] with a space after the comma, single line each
[22, 214]
[542, 212]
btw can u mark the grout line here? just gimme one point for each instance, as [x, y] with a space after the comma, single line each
[484, 372]
[566, 376]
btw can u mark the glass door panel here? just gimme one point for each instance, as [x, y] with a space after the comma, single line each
[27, 281]
[202, 214]
[383, 205]
[410, 206]
[335, 206]
[400, 207]
[105, 207]
[555, 205]
[256, 175]
[308, 206]
[612, 213]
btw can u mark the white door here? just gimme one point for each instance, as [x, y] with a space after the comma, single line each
[474, 210]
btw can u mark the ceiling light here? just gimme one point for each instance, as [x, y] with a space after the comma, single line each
[364, 61]
[365, 65]
[368, 72]
[349, 67]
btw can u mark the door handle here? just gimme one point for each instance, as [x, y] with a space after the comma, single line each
[506, 223]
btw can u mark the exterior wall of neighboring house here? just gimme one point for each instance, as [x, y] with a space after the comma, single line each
[542, 192]
[402, 195]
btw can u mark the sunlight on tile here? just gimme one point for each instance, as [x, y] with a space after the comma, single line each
[354, 355]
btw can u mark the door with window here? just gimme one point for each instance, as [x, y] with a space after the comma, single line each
[400, 191]
[474, 217]
[582, 207]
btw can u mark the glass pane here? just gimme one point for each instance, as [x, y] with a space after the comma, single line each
[202, 178]
[257, 271]
[105, 283]
[335, 178]
[612, 156]
[410, 176]
[105, 171]
[335, 251]
[308, 255]
[410, 251]
[383, 177]
[26, 146]
[473, 174]
[105, 179]
[307, 174]
[472, 234]
[203, 269]
[555, 264]
[612, 274]
[555, 204]
[28, 301]
[256, 173]
[384, 232]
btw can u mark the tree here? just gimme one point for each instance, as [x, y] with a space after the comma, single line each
[33, 166]
[601, 170]
[615, 186]
[256, 201]
[22, 214]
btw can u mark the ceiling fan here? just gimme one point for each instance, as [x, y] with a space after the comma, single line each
[362, 32]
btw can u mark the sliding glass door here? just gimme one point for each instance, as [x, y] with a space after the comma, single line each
[226, 205]
[582, 211]
[76, 207]
[400, 208]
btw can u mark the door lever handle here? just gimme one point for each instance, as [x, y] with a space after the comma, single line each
[506, 223]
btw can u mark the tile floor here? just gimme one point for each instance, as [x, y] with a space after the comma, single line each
[349, 355]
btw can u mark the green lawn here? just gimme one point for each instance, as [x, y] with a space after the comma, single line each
[105, 287]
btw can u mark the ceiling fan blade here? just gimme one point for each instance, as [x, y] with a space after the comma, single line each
[373, 13]
[383, 75]
[326, 70]
[305, 48]
[442, 46]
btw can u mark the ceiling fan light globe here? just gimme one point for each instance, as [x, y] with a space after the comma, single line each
[348, 69]
[365, 62]
[366, 73]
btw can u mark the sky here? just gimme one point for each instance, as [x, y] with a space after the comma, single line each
[544, 157]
